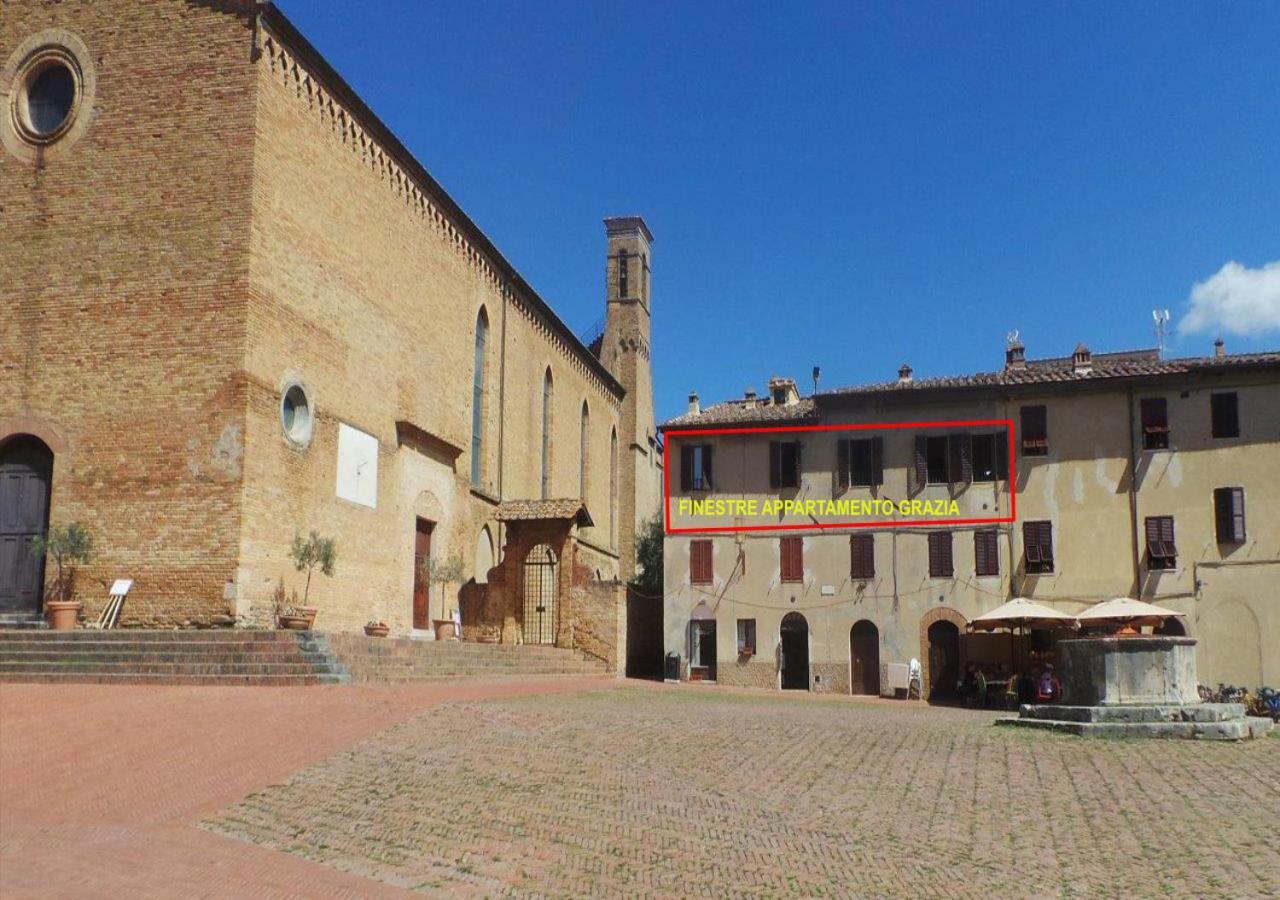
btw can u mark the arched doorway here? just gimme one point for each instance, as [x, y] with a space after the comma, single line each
[944, 660]
[864, 658]
[26, 475]
[541, 591]
[794, 664]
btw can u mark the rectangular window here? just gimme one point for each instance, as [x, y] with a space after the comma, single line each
[984, 457]
[940, 562]
[700, 566]
[784, 464]
[1037, 543]
[1161, 552]
[1225, 411]
[861, 462]
[936, 460]
[792, 552]
[1228, 513]
[1155, 423]
[746, 636]
[986, 552]
[695, 467]
[862, 556]
[623, 272]
[1035, 430]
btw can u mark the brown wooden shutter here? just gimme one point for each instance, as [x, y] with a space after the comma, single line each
[877, 461]
[1153, 537]
[960, 458]
[862, 556]
[775, 464]
[706, 467]
[686, 467]
[922, 460]
[986, 553]
[1225, 412]
[940, 562]
[843, 462]
[1002, 455]
[701, 570]
[799, 464]
[792, 558]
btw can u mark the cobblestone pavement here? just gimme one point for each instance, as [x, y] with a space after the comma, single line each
[698, 791]
[101, 787]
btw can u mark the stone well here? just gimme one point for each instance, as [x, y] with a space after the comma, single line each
[1135, 670]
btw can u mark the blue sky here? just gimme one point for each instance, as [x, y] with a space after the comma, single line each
[853, 185]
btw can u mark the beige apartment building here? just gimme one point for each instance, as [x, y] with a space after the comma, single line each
[235, 307]
[1134, 475]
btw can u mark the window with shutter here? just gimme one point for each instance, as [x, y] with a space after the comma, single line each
[1225, 411]
[792, 553]
[1002, 455]
[1161, 552]
[746, 636]
[862, 462]
[1228, 513]
[921, 466]
[843, 463]
[1035, 430]
[877, 461]
[784, 464]
[686, 468]
[862, 556]
[701, 570]
[940, 562]
[939, 470]
[986, 552]
[1037, 543]
[775, 464]
[1155, 423]
[984, 457]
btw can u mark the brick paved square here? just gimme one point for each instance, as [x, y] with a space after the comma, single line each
[696, 791]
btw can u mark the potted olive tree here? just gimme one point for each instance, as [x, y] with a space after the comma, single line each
[450, 570]
[69, 546]
[307, 554]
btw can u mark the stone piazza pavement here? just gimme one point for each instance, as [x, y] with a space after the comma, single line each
[586, 787]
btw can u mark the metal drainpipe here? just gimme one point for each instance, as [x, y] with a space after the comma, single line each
[1133, 501]
[502, 417]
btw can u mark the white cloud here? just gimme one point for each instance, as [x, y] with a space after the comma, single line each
[1235, 300]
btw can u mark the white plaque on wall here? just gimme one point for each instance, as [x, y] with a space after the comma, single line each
[828, 590]
[357, 466]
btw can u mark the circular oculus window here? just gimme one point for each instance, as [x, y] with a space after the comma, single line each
[47, 96]
[295, 415]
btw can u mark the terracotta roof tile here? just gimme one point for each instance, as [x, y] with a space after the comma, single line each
[529, 510]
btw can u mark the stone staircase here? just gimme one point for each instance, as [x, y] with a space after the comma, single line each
[130, 656]
[1204, 721]
[404, 659]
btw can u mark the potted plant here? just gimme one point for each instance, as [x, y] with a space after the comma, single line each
[488, 634]
[307, 554]
[70, 546]
[450, 570]
[376, 628]
[746, 653]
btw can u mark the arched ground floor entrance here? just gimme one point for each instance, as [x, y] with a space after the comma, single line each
[944, 660]
[864, 658]
[26, 476]
[794, 665]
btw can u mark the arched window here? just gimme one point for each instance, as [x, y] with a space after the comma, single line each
[477, 399]
[582, 451]
[613, 487]
[546, 434]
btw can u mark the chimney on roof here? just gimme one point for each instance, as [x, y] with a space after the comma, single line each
[1015, 355]
[1082, 360]
[904, 373]
[1219, 348]
[750, 397]
[694, 406]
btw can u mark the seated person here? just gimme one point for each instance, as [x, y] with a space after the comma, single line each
[1048, 687]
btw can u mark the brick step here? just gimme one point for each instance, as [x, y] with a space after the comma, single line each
[171, 679]
[161, 653]
[444, 676]
[399, 674]
[231, 636]
[297, 667]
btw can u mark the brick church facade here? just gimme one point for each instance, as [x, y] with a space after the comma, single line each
[236, 308]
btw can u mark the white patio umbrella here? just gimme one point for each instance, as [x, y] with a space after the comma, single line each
[1022, 613]
[1126, 611]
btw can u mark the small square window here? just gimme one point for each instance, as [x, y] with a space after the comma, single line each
[1155, 423]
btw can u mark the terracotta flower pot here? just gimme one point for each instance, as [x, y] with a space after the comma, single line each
[295, 623]
[308, 613]
[377, 630]
[62, 614]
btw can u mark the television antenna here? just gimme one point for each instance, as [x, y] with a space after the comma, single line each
[1161, 318]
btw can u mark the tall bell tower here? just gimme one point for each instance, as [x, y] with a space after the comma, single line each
[624, 351]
